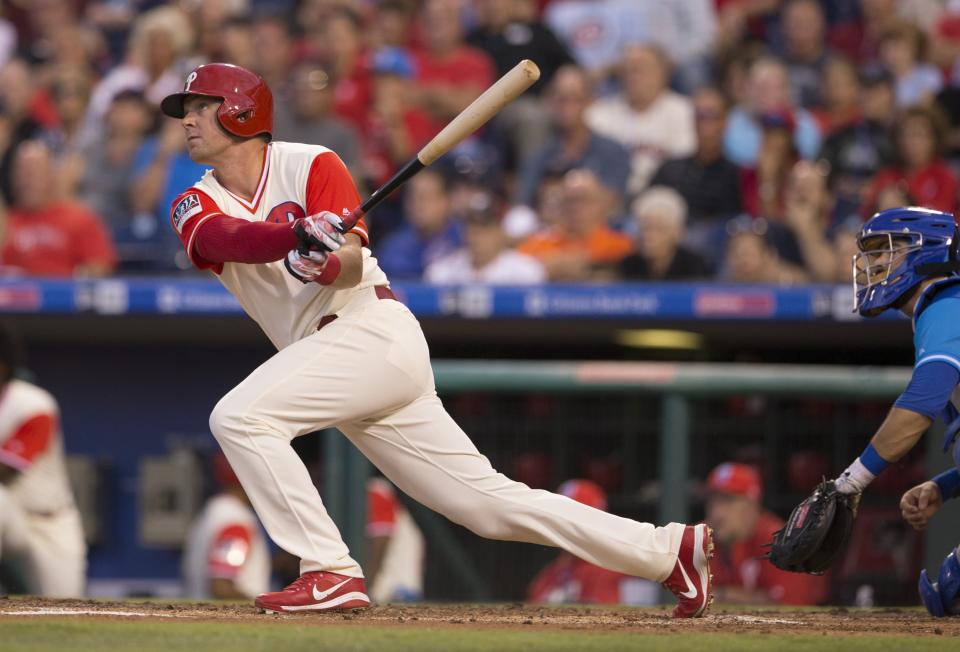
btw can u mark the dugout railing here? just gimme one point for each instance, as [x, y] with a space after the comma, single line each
[674, 389]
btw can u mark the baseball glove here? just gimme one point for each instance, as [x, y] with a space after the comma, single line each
[816, 532]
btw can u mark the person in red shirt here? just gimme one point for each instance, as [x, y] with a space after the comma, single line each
[450, 74]
[921, 139]
[568, 579]
[45, 234]
[741, 530]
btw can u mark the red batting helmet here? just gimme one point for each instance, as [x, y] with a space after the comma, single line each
[247, 108]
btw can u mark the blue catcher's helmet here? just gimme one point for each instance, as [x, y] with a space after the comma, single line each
[899, 248]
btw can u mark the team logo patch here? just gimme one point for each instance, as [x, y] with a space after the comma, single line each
[187, 208]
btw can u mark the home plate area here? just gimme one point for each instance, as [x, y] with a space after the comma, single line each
[891, 621]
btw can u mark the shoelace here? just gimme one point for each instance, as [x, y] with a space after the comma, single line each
[300, 582]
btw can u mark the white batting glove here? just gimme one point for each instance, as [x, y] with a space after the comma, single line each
[319, 232]
[306, 269]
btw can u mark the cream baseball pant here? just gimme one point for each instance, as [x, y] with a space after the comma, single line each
[52, 546]
[368, 373]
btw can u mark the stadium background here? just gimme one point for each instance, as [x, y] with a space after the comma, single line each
[138, 355]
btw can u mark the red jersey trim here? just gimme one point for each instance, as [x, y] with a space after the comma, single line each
[258, 195]
[31, 439]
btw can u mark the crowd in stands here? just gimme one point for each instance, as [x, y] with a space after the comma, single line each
[737, 140]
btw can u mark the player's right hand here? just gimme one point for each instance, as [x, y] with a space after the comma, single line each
[920, 503]
[306, 268]
[319, 232]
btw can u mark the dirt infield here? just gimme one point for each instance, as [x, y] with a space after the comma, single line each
[841, 621]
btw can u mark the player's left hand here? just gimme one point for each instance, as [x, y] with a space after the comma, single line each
[920, 503]
[313, 266]
[319, 233]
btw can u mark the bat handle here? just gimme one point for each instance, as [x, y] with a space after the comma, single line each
[381, 193]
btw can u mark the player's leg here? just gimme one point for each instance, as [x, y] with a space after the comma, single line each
[345, 371]
[59, 554]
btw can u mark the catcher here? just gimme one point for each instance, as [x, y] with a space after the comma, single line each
[907, 261]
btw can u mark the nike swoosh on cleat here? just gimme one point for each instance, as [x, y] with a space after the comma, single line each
[691, 591]
[320, 595]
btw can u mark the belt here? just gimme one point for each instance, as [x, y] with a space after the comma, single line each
[382, 292]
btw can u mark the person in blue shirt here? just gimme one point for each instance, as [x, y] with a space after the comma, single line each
[908, 261]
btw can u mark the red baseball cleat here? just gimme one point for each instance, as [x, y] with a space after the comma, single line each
[691, 578]
[316, 591]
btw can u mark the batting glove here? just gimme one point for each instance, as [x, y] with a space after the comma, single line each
[316, 266]
[319, 232]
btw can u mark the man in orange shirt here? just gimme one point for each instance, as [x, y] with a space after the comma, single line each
[583, 245]
[45, 235]
[741, 529]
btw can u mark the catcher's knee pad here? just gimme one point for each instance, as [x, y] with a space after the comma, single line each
[940, 597]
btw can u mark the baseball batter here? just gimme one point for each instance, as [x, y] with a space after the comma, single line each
[39, 522]
[266, 221]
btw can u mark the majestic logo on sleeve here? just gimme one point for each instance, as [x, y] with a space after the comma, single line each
[187, 208]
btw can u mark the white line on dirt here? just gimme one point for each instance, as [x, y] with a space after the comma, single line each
[57, 611]
[762, 620]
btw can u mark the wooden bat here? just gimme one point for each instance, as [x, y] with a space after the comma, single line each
[502, 92]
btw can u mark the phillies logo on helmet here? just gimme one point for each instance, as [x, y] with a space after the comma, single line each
[192, 77]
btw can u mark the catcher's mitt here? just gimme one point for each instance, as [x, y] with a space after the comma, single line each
[816, 532]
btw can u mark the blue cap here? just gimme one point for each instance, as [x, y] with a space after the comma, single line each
[392, 61]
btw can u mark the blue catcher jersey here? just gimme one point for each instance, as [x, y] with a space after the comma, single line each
[937, 338]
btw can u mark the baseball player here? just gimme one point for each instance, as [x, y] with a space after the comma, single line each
[39, 522]
[266, 221]
[395, 546]
[226, 555]
[908, 261]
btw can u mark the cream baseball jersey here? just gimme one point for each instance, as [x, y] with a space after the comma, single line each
[226, 542]
[296, 180]
[31, 442]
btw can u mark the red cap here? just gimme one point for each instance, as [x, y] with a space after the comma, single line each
[736, 479]
[584, 491]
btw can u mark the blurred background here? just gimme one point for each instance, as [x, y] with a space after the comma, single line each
[717, 157]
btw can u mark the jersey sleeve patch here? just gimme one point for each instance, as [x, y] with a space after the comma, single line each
[30, 440]
[185, 209]
[229, 551]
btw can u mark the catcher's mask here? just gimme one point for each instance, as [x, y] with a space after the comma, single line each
[899, 248]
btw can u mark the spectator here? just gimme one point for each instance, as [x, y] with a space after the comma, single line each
[741, 530]
[341, 49]
[594, 31]
[582, 246]
[575, 144]
[844, 245]
[903, 52]
[921, 138]
[860, 40]
[855, 153]
[507, 39]
[841, 93]
[395, 546]
[764, 186]
[766, 92]
[46, 234]
[486, 256]
[391, 24]
[569, 580]
[708, 182]
[686, 32]
[69, 141]
[234, 42]
[20, 119]
[307, 117]
[394, 128]
[273, 47]
[660, 215]
[646, 117]
[449, 73]
[752, 257]
[807, 212]
[225, 556]
[108, 170]
[39, 521]
[805, 52]
[428, 233]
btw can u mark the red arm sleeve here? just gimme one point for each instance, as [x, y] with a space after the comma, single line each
[29, 440]
[330, 188]
[229, 551]
[224, 239]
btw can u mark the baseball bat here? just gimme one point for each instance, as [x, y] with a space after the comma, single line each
[502, 92]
